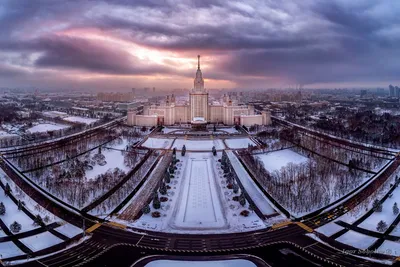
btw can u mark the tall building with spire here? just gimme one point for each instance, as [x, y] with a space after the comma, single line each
[199, 111]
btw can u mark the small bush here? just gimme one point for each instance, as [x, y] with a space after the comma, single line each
[163, 199]
[156, 214]
[244, 213]
[229, 186]
[235, 198]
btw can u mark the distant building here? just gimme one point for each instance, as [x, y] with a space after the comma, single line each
[363, 93]
[391, 90]
[199, 110]
[396, 91]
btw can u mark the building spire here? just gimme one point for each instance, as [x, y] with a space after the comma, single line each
[198, 62]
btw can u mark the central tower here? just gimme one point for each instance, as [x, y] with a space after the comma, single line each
[198, 97]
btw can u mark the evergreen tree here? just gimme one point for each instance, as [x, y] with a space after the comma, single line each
[2, 209]
[242, 199]
[7, 190]
[395, 209]
[215, 128]
[174, 151]
[15, 227]
[38, 220]
[382, 226]
[214, 151]
[156, 203]
[146, 209]
[163, 189]
[183, 150]
[235, 188]
[19, 205]
[167, 177]
[377, 205]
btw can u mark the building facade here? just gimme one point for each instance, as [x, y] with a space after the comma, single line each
[198, 110]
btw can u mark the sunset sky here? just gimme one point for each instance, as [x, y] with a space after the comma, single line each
[117, 45]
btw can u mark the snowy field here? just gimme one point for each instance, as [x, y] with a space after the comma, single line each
[221, 263]
[386, 214]
[239, 143]
[252, 189]
[80, 119]
[4, 134]
[158, 143]
[356, 240]
[13, 214]
[41, 241]
[230, 130]
[167, 130]
[44, 127]
[390, 248]
[69, 230]
[199, 145]
[114, 158]
[9, 249]
[329, 229]
[274, 161]
[200, 205]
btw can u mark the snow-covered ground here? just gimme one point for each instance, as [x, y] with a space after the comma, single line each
[13, 214]
[69, 230]
[252, 189]
[274, 161]
[390, 248]
[238, 143]
[4, 134]
[386, 214]
[114, 159]
[181, 200]
[9, 249]
[199, 145]
[158, 143]
[230, 130]
[41, 241]
[356, 240]
[80, 119]
[329, 229]
[200, 204]
[44, 127]
[220, 263]
[167, 130]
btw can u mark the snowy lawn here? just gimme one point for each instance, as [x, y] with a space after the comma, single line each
[221, 263]
[230, 130]
[80, 119]
[9, 249]
[239, 143]
[390, 248]
[114, 159]
[386, 214]
[4, 134]
[13, 214]
[252, 189]
[158, 143]
[199, 145]
[274, 161]
[167, 130]
[41, 241]
[329, 229]
[356, 240]
[44, 127]
[69, 230]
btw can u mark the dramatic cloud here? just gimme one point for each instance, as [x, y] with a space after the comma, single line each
[244, 44]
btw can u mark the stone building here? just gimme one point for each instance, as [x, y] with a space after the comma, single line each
[199, 110]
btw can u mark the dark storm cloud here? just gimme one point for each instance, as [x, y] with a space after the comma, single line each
[300, 41]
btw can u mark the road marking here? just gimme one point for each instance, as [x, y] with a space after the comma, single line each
[117, 225]
[93, 227]
[41, 263]
[139, 240]
[311, 245]
[305, 227]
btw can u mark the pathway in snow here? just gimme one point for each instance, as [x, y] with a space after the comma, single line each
[200, 206]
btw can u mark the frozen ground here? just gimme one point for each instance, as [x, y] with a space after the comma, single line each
[390, 248]
[231, 130]
[114, 158]
[386, 214]
[158, 143]
[41, 241]
[356, 240]
[238, 143]
[252, 189]
[13, 214]
[69, 230]
[9, 249]
[167, 130]
[4, 134]
[80, 119]
[200, 205]
[274, 161]
[199, 145]
[221, 263]
[329, 229]
[44, 127]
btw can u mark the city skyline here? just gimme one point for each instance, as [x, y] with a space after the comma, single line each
[116, 44]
